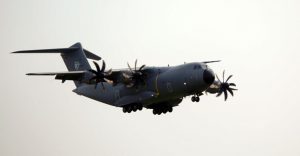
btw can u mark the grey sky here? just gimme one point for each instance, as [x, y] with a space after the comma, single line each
[257, 41]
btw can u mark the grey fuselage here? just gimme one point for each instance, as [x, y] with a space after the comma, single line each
[163, 84]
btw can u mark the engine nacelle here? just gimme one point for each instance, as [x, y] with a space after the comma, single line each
[214, 87]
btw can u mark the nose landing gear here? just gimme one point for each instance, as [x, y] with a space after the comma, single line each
[195, 98]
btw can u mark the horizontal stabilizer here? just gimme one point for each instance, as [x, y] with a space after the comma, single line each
[60, 50]
[91, 55]
[87, 53]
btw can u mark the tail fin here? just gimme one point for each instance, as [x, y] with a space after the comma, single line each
[75, 57]
[76, 60]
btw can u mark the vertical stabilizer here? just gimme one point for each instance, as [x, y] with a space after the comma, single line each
[76, 60]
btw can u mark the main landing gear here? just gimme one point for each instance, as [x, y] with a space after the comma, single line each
[133, 107]
[195, 98]
[160, 110]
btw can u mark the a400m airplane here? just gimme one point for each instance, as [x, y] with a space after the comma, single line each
[157, 88]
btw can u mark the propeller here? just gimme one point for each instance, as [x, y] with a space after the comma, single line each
[100, 75]
[226, 86]
[136, 76]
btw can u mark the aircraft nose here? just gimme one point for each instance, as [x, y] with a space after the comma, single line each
[208, 76]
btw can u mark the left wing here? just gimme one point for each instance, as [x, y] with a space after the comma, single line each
[116, 76]
[71, 75]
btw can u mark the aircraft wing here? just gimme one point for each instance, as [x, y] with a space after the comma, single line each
[71, 75]
[116, 75]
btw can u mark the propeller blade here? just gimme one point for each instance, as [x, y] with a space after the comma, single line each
[230, 91]
[232, 84]
[223, 75]
[126, 76]
[225, 94]
[93, 71]
[129, 67]
[97, 66]
[109, 72]
[219, 94]
[135, 64]
[103, 67]
[233, 88]
[102, 85]
[93, 78]
[108, 81]
[218, 78]
[229, 78]
[141, 68]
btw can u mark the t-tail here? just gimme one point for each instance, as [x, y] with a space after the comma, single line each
[75, 59]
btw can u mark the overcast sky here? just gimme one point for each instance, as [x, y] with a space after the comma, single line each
[257, 41]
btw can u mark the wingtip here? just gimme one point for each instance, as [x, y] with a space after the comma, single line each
[212, 61]
[18, 52]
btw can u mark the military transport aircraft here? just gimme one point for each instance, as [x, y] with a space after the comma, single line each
[135, 88]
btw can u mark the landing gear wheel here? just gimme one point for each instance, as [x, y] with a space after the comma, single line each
[193, 98]
[154, 111]
[124, 110]
[197, 99]
[134, 108]
[129, 109]
[140, 107]
[165, 110]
